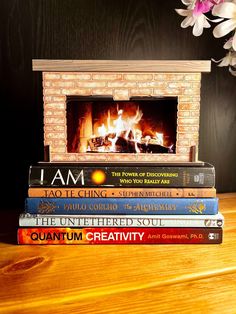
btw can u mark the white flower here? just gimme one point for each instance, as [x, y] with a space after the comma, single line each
[195, 15]
[228, 44]
[228, 60]
[225, 10]
[189, 3]
[232, 70]
[199, 22]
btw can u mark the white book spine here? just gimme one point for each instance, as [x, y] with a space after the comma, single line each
[27, 220]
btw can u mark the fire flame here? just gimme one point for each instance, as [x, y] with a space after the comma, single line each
[123, 130]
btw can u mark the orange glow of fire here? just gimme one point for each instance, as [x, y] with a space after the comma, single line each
[126, 127]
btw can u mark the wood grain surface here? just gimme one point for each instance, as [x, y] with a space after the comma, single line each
[119, 278]
[122, 65]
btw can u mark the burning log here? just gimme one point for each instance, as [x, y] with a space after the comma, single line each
[123, 145]
[153, 148]
[100, 143]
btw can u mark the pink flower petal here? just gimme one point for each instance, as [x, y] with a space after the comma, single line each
[202, 7]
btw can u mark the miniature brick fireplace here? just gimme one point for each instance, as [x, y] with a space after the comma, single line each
[129, 111]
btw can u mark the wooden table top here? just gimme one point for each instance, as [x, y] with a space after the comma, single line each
[119, 278]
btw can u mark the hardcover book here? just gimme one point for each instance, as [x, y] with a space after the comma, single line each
[115, 176]
[129, 206]
[121, 192]
[119, 235]
[29, 220]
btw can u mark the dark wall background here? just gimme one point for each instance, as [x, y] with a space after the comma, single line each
[101, 29]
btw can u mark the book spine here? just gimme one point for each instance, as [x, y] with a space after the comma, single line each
[27, 220]
[122, 192]
[129, 206]
[119, 236]
[149, 176]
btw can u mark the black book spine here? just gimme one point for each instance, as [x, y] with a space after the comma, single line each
[118, 176]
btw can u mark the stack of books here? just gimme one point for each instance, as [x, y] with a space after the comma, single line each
[121, 204]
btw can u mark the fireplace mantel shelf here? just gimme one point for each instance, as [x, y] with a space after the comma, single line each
[122, 65]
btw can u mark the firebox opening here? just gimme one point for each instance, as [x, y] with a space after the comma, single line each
[140, 125]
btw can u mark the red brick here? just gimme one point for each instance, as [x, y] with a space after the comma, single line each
[183, 143]
[121, 94]
[51, 76]
[189, 106]
[76, 91]
[138, 77]
[182, 113]
[141, 91]
[54, 106]
[76, 76]
[107, 76]
[51, 91]
[90, 84]
[124, 84]
[102, 91]
[54, 120]
[188, 121]
[55, 135]
[189, 128]
[63, 84]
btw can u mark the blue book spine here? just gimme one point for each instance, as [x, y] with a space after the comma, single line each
[122, 206]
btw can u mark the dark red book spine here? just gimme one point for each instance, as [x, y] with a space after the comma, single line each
[119, 235]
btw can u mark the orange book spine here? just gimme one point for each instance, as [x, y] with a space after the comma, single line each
[123, 192]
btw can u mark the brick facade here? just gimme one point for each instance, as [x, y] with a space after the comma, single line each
[122, 86]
